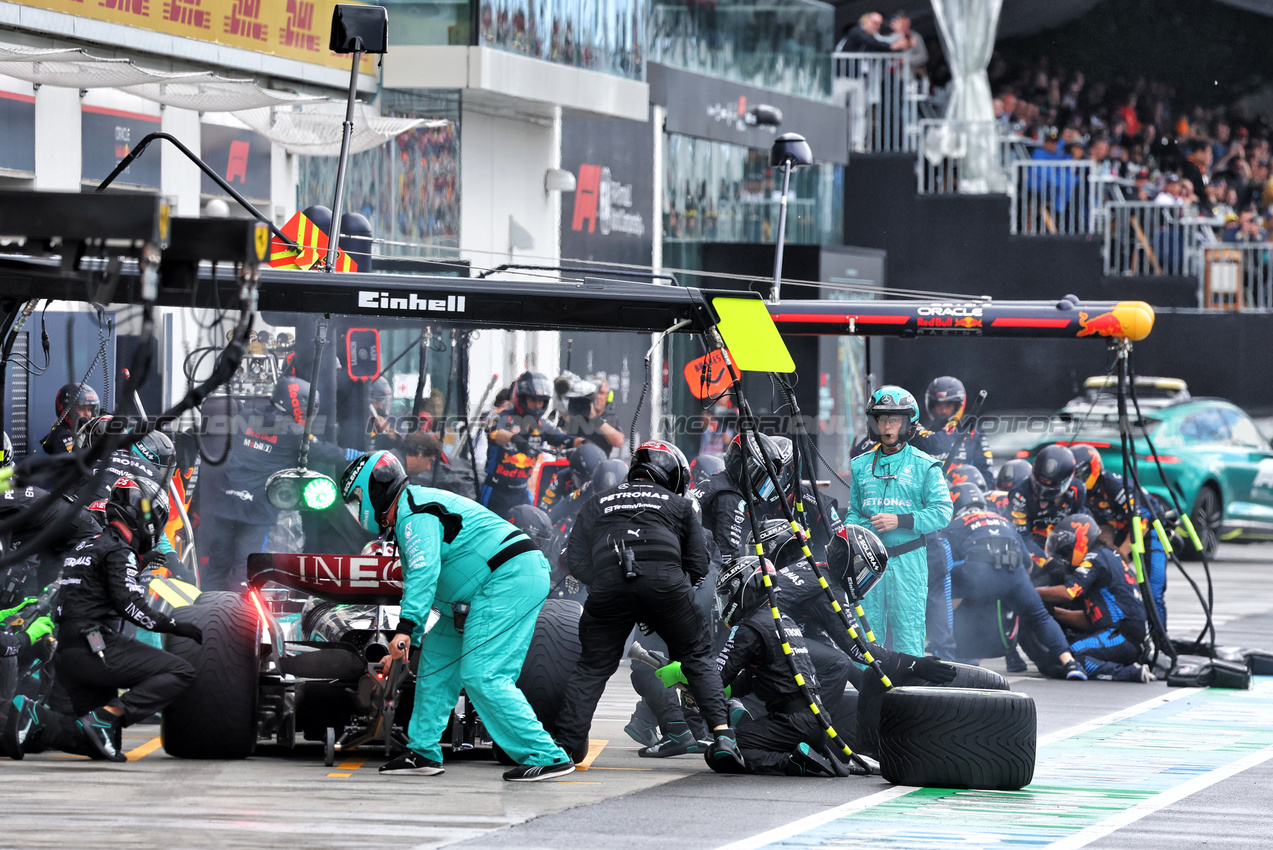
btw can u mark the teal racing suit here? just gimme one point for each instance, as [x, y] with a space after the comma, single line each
[908, 483]
[454, 550]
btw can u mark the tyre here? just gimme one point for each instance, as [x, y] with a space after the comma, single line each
[1207, 514]
[970, 676]
[551, 658]
[870, 701]
[957, 738]
[216, 717]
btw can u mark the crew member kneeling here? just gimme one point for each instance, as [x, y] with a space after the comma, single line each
[93, 660]
[460, 557]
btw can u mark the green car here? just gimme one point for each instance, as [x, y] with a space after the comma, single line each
[1214, 458]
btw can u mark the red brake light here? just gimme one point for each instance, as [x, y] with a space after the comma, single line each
[1023, 453]
[1162, 458]
[260, 608]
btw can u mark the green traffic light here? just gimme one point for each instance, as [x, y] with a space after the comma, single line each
[319, 494]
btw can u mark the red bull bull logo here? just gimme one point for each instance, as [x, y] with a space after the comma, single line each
[1106, 324]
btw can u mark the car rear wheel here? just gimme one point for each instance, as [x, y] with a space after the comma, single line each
[1207, 514]
[215, 718]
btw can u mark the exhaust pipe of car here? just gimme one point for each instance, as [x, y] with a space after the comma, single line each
[376, 650]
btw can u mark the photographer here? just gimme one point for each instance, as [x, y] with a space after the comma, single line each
[640, 549]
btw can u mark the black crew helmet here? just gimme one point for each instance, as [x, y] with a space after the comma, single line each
[945, 390]
[967, 498]
[662, 463]
[90, 431]
[740, 588]
[535, 523]
[291, 396]
[856, 558]
[156, 448]
[71, 396]
[138, 507]
[705, 466]
[1072, 538]
[1012, 473]
[7, 460]
[608, 475]
[1053, 471]
[531, 385]
[743, 466]
[782, 547]
[584, 460]
[966, 473]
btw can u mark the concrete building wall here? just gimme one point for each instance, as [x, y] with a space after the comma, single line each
[503, 204]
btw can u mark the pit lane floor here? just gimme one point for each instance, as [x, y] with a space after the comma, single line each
[1120, 765]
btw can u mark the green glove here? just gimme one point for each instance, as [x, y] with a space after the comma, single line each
[671, 676]
[40, 629]
[9, 612]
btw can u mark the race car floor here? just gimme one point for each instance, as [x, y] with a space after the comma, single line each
[1119, 765]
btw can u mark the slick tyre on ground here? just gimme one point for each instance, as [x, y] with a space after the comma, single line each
[551, 658]
[957, 738]
[216, 717]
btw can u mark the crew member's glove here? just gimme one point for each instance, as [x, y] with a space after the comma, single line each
[926, 667]
[522, 444]
[188, 630]
[41, 628]
[22, 603]
[670, 675]
[153, 562]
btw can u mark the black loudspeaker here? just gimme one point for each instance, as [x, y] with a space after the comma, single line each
[362, 28]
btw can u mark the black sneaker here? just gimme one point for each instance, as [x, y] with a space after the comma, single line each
[413, 762]
[1074, 672]
[99, 727]
[737, 711]
[1016, 664]
[539, 772]
[674, 745]
[642, 731]
[803, 761]
[723, 756]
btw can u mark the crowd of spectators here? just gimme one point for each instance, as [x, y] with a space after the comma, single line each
[1211, 162]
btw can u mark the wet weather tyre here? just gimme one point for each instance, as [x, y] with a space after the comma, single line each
[971, 676]
[551, 658]
[216, 717]
[958, 738]
[1207, 514]
[871, 699]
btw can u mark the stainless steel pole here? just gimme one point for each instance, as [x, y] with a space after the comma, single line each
[347, 131]
[776, 290]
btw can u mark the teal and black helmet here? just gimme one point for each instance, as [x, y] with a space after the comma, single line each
[370, 486]
[892, 400]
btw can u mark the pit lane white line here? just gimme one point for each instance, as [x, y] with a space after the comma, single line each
[1160, 801]
[804, 824]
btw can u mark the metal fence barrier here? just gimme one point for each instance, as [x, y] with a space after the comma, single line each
[882, 96]
[1236, 276]
[967, 157]
[1052, 198]
[1148, 238]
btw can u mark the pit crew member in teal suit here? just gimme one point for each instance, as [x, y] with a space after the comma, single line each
[899, 492]
[488, 580]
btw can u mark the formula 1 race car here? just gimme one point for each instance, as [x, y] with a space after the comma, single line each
[297, 657]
